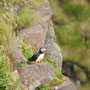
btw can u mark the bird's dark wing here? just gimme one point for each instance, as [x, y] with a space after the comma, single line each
[34, 57]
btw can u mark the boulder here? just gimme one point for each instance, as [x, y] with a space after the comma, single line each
[17, 54]
[67, 85]
[33, 75]
[34, 35]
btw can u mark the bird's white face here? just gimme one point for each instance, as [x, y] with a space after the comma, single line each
[43, 49]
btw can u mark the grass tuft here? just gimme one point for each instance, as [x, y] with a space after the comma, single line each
[22, 64]
[26, 17]
[26, 50]
[38, 3]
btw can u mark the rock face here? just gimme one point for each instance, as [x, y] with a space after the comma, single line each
[44, 13]
[34, 35]
[41, 34]
[33, 75]
[54, 50]
[17, 54]
[67, 85]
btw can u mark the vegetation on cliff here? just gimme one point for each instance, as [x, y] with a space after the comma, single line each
[8, 78]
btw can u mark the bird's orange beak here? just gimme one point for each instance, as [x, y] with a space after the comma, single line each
[46, 50]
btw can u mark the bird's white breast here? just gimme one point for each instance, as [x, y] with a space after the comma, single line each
[40, 57]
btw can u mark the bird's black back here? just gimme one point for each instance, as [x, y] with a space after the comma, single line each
[34, 57]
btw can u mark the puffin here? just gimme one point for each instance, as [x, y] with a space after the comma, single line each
[37, 57]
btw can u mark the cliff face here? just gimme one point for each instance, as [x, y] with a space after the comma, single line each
[35, 35]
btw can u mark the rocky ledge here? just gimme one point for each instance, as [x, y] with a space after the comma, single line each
[33, 75]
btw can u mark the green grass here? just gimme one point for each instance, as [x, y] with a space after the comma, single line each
[59, 18]
[73, 10]
[35, 4]
[22, 64]
[9, 79]
[26, 50]
[3, 83]
[77, 9]
[26, 17]
[38, 3]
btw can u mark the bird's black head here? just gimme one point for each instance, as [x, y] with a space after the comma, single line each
[42, 50]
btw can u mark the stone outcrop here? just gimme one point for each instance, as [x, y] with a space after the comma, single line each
[34, 35]
[33, 75]
[18, 57]
[53, 48]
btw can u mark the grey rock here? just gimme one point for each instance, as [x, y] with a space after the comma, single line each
[17, 54]
[53, 48]
[34, 35]
[45, 13]
[33, 75]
